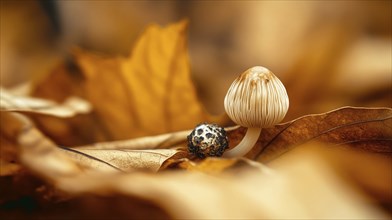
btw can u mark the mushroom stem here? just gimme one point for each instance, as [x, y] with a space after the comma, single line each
[246, 144]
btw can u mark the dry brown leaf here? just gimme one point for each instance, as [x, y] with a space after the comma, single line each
[123, 160]
[70, 107]
[368, 129]
[148, 93]
[39, 150]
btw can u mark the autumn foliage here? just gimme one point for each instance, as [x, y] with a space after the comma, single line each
[102, 136]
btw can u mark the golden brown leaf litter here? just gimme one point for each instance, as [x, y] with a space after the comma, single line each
[85, 180]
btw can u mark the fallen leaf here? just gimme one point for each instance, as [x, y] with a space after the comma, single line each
[366, 129]
[19, 103]
[38, 150]
[42, 152]
[123, 160]
[148, 93]
[70, 107]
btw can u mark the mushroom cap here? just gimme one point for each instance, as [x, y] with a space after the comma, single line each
[257, 98]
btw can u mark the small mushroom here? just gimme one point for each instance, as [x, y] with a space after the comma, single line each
[257, 99]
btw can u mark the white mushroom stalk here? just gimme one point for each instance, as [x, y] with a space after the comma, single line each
[257, 99]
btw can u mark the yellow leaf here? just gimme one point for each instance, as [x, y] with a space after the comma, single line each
[148, 93]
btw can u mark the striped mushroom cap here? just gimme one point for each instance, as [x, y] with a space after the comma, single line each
[257, 98]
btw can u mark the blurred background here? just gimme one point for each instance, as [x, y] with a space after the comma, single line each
[328, 53]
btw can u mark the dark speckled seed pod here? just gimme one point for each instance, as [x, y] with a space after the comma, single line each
[207, 140]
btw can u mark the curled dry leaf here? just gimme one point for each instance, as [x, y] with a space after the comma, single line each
[43, 154]
[148, 93]
[70, 107]
[10, 126]
[122, 160]
[38, 150]
[368, 129]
